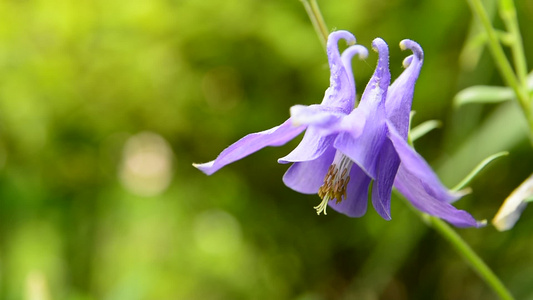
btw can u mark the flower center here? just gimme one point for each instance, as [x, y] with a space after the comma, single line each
[335, 182]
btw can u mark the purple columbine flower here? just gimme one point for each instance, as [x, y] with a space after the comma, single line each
[344, 149]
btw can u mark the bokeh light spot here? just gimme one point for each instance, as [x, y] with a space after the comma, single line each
[146, 168]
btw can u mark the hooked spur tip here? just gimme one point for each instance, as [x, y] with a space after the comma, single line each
[335, 36]
[353, 50]
[407, 61]
[413, 46]
[379, 45]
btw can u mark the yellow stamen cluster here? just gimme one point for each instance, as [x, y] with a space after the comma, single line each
[335, 184]
[332, 188]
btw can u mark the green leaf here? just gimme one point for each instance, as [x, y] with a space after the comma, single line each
[488, 94]
[478, 169]
[483, 94]
[423, 128]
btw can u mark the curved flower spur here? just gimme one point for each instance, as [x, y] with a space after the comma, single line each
[344, 149]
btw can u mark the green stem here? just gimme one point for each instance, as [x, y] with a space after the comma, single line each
[322, 24]
[503, 64]
[508, 14]
[313, 11]
[465, 251]
[469, 255]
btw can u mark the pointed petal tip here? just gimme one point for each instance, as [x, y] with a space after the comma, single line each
[481, 223]
[473, 224]
[381, 206]
[282, 161]
[383, 212]
[463, 219]
[381, 77]
[205, 167]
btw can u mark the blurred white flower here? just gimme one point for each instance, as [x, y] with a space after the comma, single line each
[36, 286]
[513, 206]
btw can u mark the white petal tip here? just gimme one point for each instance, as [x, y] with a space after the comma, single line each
[363, 54]
[205, 167]
[403, 46]
[407, 61]
[505, 223]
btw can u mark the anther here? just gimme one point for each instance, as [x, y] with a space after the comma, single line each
[335, 182]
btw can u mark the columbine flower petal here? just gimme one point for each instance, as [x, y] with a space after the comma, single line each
[312, 146]
[414, 190]
[419, 184]
[387, 166]
[307, 177]
[251, 143]
[355, 204]
[400, 94]
[316, 115]
[363, 146]
[415, 164]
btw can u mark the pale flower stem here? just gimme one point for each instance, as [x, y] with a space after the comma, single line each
[321, 23]
[313, 11]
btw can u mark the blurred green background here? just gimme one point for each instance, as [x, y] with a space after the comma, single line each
[104, 105]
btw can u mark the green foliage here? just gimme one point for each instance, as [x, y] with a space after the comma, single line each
[104, 105]
[423, 128]
[478, 169]
[487, 94]
[483, 94]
